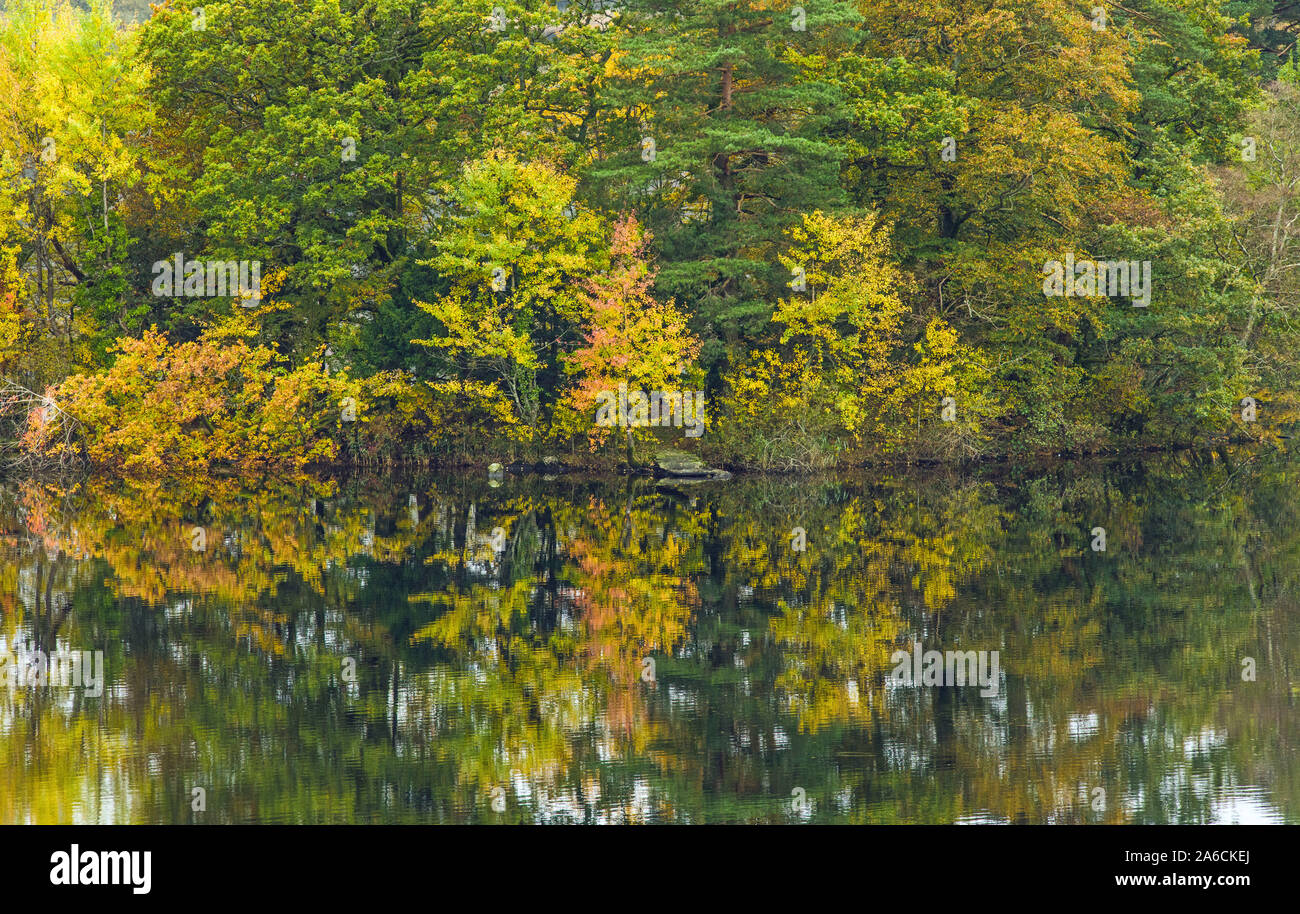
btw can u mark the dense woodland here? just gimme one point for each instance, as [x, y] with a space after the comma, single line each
[472, 218]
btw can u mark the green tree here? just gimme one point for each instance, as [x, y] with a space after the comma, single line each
[513, 245]
[727, 145]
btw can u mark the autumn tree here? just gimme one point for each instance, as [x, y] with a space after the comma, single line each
[631, 338]
[72, 107]
[513, 246]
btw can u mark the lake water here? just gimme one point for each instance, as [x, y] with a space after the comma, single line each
[438, 649]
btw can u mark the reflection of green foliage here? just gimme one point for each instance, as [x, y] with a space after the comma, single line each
[513, 658]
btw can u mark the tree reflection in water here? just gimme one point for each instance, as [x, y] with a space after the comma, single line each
[609, 651]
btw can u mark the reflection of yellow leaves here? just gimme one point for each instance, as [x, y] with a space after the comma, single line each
[476, 615]
[836, 655]
[837, 641]
[144, 534]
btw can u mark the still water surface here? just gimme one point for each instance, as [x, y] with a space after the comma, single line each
[435, 649]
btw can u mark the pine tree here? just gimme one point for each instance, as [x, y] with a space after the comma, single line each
[725, 144]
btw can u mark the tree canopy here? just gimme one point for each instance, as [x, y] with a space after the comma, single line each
[847, 212]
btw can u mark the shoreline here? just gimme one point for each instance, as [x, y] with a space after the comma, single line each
[601, 470]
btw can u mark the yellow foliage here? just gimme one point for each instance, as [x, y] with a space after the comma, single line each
[194, 407]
